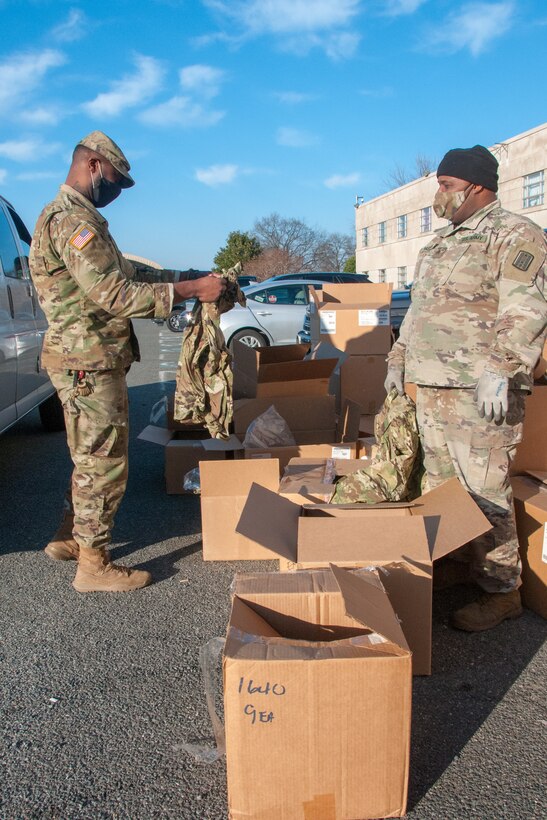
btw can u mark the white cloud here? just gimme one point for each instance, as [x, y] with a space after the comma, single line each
[395, 8]
[27, 150]
[74, 28]
[180, 111]
[3, 176]
[22, 73]
[40, 116]
[297, 25]
[37, 176]
[473, 26]
[285, 16]
[342, 180]
[131, 90]
[377, 93]
[295, 138]
[217, 174]
[294, 97]
[203, 80]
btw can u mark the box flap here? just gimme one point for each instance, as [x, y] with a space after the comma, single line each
[366, 600]
[300, 412]
[539, 475]
[157, 435]
[252, 358]
[454, 518]
[222, 445]
[364, 295]
[234, 478]
[270, 520]
[349, 422]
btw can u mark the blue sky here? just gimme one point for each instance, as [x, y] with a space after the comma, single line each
[229, 110]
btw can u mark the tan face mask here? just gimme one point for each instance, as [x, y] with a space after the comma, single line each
[446, 203]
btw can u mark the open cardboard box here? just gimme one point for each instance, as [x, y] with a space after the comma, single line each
[309, 480]
[355, 318]
[530, 494]
[317, 698]
[340, 442]
[279, 371]
[532, 451]
[402, 539]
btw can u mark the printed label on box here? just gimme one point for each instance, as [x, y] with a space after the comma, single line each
[327, 321]
[544, 550]
[341, 452]
[373, 318]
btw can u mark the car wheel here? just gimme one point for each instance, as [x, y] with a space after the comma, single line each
[176, 321]
[248, 337]
[52, 415]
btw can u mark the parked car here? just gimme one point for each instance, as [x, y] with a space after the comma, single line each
[324, 276]
[274, 313]
[400, 303]
[24, 385]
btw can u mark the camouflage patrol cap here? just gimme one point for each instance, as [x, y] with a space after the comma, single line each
[107, 148]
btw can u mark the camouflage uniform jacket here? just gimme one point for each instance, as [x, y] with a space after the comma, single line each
[395, 472]
[478, 302]
[87, 289]
[203, 391]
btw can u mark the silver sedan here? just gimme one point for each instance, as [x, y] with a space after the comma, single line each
[273, 316]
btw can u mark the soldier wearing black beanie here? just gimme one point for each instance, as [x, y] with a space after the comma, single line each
[476, 165]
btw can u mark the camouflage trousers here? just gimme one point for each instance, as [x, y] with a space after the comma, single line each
[97, 435]
[457, 442]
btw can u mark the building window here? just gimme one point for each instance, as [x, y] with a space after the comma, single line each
[425, 219]
[382, 275]
[401, 277]
[364, 237]
[401, 226]
[381, 232]
[532, 192]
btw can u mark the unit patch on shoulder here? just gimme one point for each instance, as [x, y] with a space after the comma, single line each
[82, 238]
[524, 262]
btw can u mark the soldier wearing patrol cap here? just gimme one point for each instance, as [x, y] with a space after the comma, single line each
[89, 293]
[470, 341]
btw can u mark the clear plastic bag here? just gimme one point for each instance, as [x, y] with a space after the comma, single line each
[268, 430]
[158, 413]
[191, 482]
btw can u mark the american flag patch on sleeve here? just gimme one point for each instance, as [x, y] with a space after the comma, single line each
[81, 239]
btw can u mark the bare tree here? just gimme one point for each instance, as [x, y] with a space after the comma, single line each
[397, 176]
[332, 253]
[425, 165]
[272, 262]
[292, 236]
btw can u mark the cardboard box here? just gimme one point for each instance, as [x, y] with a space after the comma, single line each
[324, 350]
[183, 453]
[530, 495]
[317, 699]
[366, 448]
[362, 380]
[309, 480]
[353, 318]
[532, 451]
[341, 443]
[403, 539]
[311, 419]
[225, 487]
[279, 371]
[366, 425]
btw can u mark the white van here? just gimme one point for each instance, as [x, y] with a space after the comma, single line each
[24, 385]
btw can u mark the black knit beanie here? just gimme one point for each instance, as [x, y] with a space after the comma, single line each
[476, 165]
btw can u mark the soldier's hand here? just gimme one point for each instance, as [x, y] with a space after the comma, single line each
[492, 396]
[394, 381]
[209, 288]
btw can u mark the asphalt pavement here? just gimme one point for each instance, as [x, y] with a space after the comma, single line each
[100, 692]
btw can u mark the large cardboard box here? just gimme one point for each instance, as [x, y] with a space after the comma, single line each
[317, 699]
[530, 495]
[225, 487]
[311, 419]
[532, 451]
[402, 538]
[342, 443]
[309, 480]
[353, 318]
[279, 371]
[362, 380]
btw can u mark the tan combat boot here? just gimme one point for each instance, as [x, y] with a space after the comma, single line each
[62, 546]
[489, 611]
[96, 573]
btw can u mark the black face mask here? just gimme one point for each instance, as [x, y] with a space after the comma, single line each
[104, 191]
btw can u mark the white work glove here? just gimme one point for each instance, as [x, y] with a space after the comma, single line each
[394, 380]
[492, 396]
